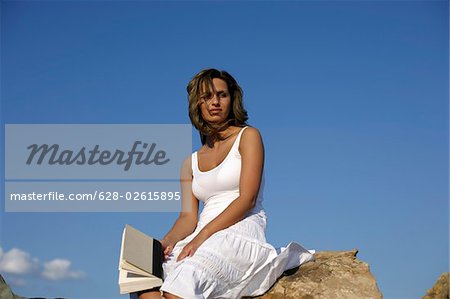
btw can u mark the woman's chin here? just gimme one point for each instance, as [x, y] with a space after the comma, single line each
[216, 119]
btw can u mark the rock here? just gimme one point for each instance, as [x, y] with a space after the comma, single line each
[333, 274]
[440, 288]
[5, 291]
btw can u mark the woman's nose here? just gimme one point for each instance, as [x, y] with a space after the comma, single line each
[215, 99]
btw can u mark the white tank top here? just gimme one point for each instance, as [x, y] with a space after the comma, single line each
[218, 187]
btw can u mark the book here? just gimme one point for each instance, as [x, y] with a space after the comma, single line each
[140, 263]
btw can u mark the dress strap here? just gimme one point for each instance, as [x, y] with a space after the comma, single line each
[234, 148]
[194, 162]
[238, 138]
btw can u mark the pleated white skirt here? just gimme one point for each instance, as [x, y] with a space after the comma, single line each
[232, 263]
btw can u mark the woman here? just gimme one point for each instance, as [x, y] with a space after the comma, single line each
[222, 254]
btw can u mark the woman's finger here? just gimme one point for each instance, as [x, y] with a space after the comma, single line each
[187, 250]
[184, 253]
[181, 256]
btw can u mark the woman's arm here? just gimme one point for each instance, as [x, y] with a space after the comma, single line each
[251, 149]
[187, 220]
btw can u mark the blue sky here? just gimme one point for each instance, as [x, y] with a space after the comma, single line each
[351, 98]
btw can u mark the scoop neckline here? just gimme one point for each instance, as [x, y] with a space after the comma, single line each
[223, 161]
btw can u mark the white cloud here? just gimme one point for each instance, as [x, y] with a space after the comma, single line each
[60, 269]
[18, 262]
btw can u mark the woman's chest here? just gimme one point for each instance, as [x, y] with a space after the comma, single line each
[222, 179]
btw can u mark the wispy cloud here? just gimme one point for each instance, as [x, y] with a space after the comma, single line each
[60, 269]
[20, 263]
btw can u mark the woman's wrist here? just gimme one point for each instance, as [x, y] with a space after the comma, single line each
[168, 240]
[205, 233]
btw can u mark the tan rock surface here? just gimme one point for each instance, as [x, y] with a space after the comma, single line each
[440, 289]
[333, 274]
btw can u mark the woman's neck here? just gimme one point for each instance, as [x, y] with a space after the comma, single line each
[224, 134]
[228, 132]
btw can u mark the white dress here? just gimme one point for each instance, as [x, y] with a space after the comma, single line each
[236, 261]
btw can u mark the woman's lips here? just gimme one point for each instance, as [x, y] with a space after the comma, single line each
[215, 110]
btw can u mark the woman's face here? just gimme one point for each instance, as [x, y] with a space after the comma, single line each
[215, 104]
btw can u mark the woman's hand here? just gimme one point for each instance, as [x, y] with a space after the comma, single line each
[167, 246]
[190, 248]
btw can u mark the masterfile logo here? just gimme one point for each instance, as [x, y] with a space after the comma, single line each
[113, 151]
[52, 154]
[62, 167]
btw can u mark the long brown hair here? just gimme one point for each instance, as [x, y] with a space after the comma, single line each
[238, 115]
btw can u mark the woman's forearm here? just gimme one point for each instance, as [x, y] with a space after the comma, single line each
[182, 227]
[235, 212]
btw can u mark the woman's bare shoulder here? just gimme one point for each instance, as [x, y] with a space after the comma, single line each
[250, 137]
[251, 132]
[202, 149]
[186, 167]
[188, 159]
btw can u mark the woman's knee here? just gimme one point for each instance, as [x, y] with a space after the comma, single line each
[150, 295]
[147, 294]
[170, 296]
